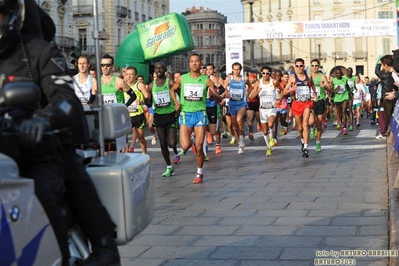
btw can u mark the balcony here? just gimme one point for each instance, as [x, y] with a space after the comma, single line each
[136, 16]
[83, 10]
[288, 58]
[64, 41]
[129, 13]
[359, 55]
[121, 11]
[340, 55]
[88, 49]
[143, 18]
[322, 56]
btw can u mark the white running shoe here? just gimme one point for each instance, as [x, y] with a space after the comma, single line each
[240, 150]
[154, 139]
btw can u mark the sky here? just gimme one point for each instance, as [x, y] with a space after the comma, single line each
[230, 8]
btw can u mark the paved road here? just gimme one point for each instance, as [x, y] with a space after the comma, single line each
[278, 210]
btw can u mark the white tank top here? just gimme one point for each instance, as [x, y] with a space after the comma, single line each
[82, 90]
[267, 95]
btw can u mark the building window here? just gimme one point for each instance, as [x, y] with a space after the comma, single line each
[385, 14]
[359, 70]
[83, 39]
[386, 46]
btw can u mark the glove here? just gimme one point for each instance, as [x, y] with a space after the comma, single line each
[32, 130]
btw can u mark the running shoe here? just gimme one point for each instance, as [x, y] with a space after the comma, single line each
[325, 125]
[232, 141]
[169, 172]
[338, 126]
[303, 145]
[350, 128]
[268, 151]
[225, 135]
[282, 131]
[357, 124]
[380, 136]
[334, 124]
[312, 133]
[154, 139]
[318, 147]
[131, 149]
[305, 153]
[198, 178]
[206, 158]
[275, 142]
[209, 139]
[251, 136]
[182, 152]
[259, 127]
[345, 131]
[240, 150]
[193, 148]
[218, 149]
[177, 159]
[271, 142]
[293, 127]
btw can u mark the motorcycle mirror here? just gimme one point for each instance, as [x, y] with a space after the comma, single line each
[21, 94]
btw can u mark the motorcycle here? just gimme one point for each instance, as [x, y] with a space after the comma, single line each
[123, 181]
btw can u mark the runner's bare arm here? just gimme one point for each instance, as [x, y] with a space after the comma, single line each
[214, 95]
[255, 90]
[173, 90]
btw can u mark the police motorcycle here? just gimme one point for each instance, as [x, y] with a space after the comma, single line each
[123, 181]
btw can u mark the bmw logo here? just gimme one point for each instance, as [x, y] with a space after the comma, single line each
[15, 213]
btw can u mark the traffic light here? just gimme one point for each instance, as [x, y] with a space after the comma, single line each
[74, 55]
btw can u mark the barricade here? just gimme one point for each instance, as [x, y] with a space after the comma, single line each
[393, 182]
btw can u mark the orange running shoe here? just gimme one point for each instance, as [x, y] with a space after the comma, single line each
[131, 149]
[218, 149]
[209, 138]
[198, 178]
[251, 136]
[194, 148]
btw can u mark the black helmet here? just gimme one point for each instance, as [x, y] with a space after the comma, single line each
[13, 17]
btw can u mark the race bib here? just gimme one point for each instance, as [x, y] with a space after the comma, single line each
[193, 92]
[318, 92]
[236, 94]
[162, 99]
[133, 107]
[341, 89]
[351, 84]
[302, 94]
[109, 98]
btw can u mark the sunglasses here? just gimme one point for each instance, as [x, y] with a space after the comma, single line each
[315, 65]
[106, 65]
[298, 65]
[203, 67]
[265, 73]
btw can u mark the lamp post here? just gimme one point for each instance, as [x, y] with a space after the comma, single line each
[251, 50]
[319, 52]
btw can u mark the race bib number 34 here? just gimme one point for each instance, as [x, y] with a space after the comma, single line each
[193, 92]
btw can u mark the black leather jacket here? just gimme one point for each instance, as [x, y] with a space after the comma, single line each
[386, 78]
[46, 67]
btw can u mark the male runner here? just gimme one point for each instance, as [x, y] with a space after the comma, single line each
[85, 85]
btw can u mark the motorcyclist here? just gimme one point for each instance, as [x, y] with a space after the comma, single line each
[48, 159]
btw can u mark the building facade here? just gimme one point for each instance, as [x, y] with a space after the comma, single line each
[360, 53]
[208, 31]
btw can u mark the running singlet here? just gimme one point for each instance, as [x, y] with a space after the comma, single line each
[109, 91]
[267, 95]
[237, 90]
[135, 109]
[342, 93]
[351, 82]
[319, 90]
[193, 93]
[82, 90]
[302, 93]
[161, 98]
[358, 92]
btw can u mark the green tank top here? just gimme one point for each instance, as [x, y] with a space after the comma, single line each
[110, 92]
[320, 91]
[135, 109]
[193, 93]
[161, 98]
[351, 82]
[342, 94]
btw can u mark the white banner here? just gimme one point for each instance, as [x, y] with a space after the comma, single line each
[236, 33]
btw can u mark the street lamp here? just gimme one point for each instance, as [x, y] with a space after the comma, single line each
[319, 52]
[251, 50]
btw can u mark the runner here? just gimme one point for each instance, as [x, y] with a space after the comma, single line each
[319, 107]
[301, 87]
[194, 88]
[351, 81]
[358, 95]
[136, 109]
[85, 85]
[341, 98]
[238, 102]
[269, 91]
[253, 108]
[164, 116]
